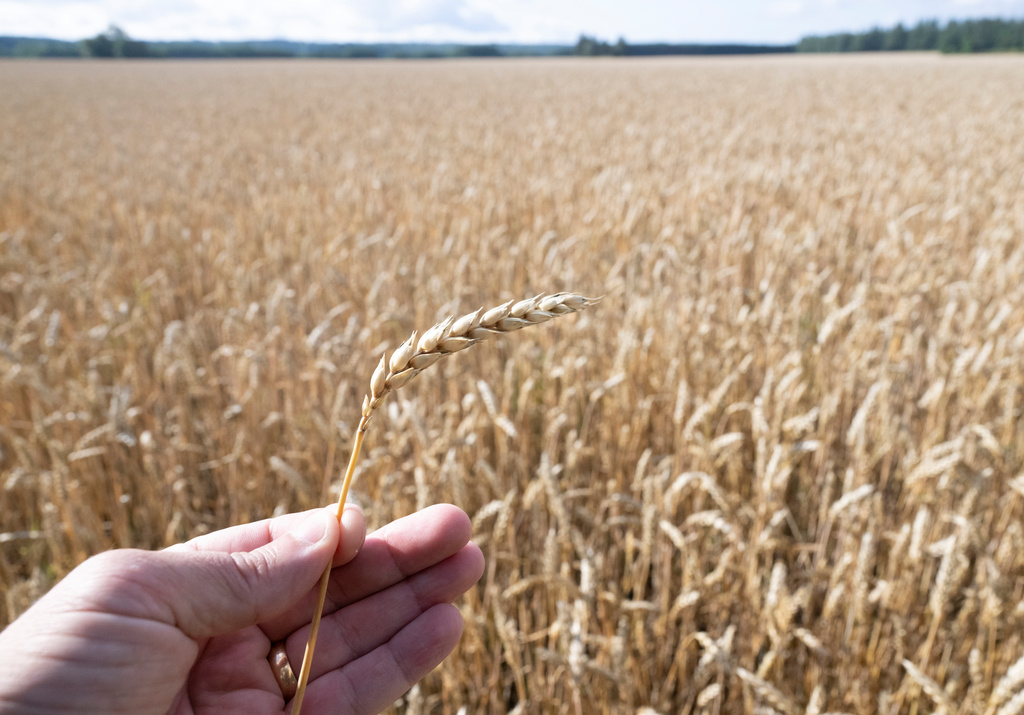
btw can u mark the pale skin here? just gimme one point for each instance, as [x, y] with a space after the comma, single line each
[189, 629]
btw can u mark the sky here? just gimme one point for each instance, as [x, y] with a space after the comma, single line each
[480, 21]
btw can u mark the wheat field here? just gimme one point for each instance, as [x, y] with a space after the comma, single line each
[779, 469]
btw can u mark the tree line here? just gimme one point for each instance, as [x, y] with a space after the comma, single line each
[592, 47]
[115, 43]
[988, 35]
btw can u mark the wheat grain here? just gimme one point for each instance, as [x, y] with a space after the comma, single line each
[1013, 706]
[768, 692]
[451, 335]
[1010, 685]
[708, 695]
[932, 689]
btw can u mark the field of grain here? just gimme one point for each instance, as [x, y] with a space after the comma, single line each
[777, 469]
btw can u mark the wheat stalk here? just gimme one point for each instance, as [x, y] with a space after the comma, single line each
[411, 358]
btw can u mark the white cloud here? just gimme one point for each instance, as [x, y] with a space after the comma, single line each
[784, 8]
[68, 19]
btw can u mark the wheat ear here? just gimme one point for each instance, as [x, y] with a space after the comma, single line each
[411, 358]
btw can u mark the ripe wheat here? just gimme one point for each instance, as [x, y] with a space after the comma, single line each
[809, 360]
[413, 356]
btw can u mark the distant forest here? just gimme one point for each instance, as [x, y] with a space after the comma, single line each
[987, 35]
[956, 36]
[115, 43]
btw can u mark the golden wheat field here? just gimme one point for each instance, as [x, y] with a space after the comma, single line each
[778, 469]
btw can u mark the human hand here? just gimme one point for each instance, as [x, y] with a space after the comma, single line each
[189, 629]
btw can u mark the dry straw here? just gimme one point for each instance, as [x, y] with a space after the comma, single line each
[411, 358]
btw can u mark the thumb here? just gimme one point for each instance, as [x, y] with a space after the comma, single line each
[207, 593]
[229, 591]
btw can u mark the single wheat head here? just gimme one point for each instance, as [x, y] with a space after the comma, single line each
[413, 357]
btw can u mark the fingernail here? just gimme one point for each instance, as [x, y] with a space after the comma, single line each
[349, 519]
[353, 526]
[312, 530]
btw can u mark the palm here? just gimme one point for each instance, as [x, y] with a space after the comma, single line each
[232, 675]
[387, 622]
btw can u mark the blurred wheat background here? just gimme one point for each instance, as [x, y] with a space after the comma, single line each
[778, 469]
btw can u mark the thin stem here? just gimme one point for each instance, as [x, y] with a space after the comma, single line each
[314, 626]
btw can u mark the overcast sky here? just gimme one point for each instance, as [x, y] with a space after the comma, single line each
[480, 21]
